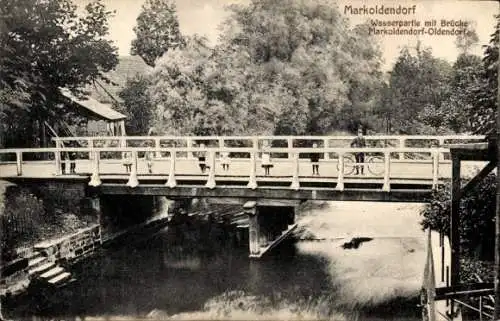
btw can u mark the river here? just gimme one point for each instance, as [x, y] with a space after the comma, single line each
[160, 278]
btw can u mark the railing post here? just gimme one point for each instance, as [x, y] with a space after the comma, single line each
[95, 179]
[157, 146]
[295, 179]
[57, 157]
[290, 147]
[387, 173]
[325, 145]
[171, 182]
[19, 163]
[340, 175]
[441, 143]
[402, 144]
[90, 144]
[255, 143]
[435, 169]
[189, 144]
[211, 173]
[252, 183]
[133, 181]
[221, 142]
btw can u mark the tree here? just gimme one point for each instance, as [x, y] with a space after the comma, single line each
[485, 92]
[283, 67]
[465, 41]
[157, 31]
[477, 212]
[418, 85]
[45, 45]
[138, 106]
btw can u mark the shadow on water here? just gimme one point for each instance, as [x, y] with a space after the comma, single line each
[196, 271]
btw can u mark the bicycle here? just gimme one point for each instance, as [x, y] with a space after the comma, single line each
[373, 163]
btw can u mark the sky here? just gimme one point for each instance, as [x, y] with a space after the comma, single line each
[204, 17]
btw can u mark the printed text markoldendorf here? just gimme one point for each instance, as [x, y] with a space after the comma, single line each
[379, 9]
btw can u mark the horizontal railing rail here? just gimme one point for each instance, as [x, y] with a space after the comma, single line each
[97, 155]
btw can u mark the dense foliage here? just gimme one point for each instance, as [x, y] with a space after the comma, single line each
[157, 30]
[284, 67]
[22, 216]
[485, 90]
[46, 45]
[477, 215]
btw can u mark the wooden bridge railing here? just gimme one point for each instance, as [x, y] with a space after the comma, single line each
[400, 141]
[387, 156]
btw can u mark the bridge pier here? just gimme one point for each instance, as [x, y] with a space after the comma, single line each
[268, 226]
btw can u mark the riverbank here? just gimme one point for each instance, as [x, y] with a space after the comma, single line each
[180, 273]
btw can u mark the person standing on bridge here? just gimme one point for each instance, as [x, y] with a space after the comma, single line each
[315, 161]
[359, 142]
[266, 159]
[202, 158]
[225, 160]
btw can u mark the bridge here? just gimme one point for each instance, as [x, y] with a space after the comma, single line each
[395, 168]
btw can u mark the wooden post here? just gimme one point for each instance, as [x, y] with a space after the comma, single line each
[440, 145]
[57, 157]
[90, 144]
[95, 180]
[133, 181]
[95, 203]
[295, 179]
[189, 144]
[250, 208]
[435, 169]
[289, 143]
[19, 163]
[157, 146]
[402, 144]
[340, 175]
[252, 182]
[455, 221]
[211, 173]
[325, 145]
[387, 172]
[255, 143]
[171, 182]
[496, 312]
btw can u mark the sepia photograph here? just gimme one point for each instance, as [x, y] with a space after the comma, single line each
[249, 160]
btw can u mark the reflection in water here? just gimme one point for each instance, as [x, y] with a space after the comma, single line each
[186, 272]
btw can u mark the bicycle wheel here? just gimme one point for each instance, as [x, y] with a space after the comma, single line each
[348, 165]
[376, 165]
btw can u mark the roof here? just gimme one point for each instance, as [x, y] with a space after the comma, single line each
[101, 110]
[128, 67]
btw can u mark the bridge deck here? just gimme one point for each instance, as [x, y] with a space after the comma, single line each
[389, 172]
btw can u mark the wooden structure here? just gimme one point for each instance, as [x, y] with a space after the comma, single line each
[175, 171]
[454, 290]
[102, 119]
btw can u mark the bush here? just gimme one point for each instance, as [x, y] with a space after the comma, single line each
[477, 217]
[22, 216]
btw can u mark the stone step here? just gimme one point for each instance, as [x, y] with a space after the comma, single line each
[52, 272]
[42, 268]
[243, 226]
[36, 261]
[60, 278]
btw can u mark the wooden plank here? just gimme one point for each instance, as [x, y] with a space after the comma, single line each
[455, 222]
[274, 243]
[479, 177]
[402, 195]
